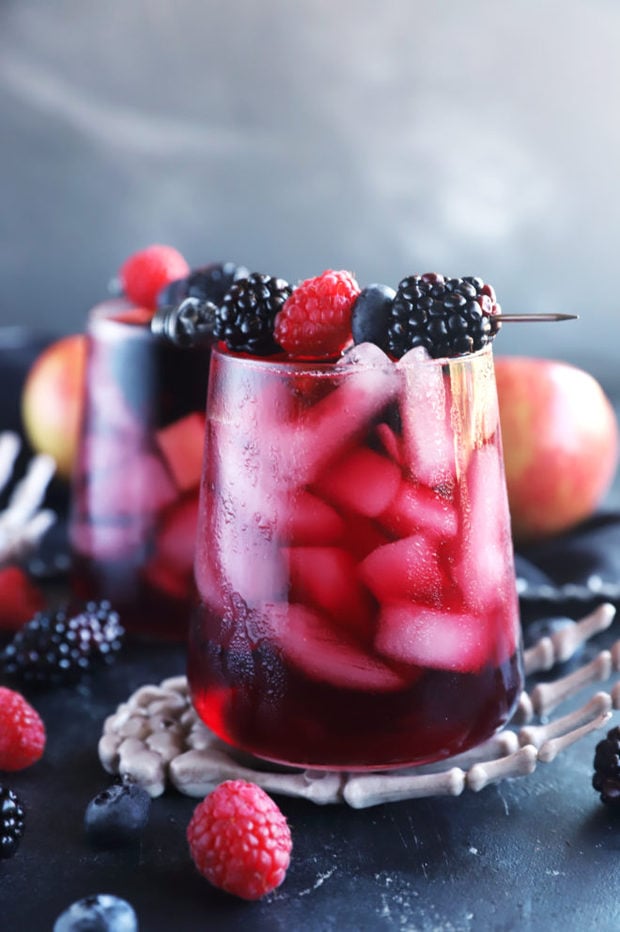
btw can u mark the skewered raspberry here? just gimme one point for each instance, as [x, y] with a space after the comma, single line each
[315, 321]
[240, 840]
[206, 283]
[245, 319]
[22, 733]
[146, 272]
[12, 820]
[447, 316]
[606, 779]
[60, 646]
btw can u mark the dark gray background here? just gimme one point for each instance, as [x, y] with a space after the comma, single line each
[293, 135]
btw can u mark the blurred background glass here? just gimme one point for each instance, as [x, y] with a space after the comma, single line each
[471, 138]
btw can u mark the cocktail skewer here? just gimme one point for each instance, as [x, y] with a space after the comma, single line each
[531, 318]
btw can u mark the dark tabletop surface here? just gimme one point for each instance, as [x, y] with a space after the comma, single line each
[538, 852]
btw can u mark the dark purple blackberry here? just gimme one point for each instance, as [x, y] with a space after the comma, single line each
[59, 647]
[11, 822]
[207, 283]
[117, 815]
[447, 316]
[606, 779]
[245, 320]
[371, 313]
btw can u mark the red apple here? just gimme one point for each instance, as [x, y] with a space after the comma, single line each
[52, 398]
[560, 439]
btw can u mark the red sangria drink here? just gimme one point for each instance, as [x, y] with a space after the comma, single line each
[354, 565]
[135, 488]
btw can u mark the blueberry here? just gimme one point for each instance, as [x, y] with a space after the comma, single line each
[117, 815]
[371, 314]
[100, 913]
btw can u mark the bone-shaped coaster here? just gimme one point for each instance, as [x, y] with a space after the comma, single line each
[157, 739]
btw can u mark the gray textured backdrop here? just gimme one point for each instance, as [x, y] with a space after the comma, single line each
[479, 137]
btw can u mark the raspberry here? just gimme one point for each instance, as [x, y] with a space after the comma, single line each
[239, 840]
[316, 320]
[22, 733]
[12, 818]
[60, 646]
[145, 273]
[19, 598]
[447, 316]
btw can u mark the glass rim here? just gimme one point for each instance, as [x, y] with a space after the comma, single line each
[339, 365]
[101, 319]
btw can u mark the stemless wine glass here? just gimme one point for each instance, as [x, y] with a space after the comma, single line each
[135, 488]
[354, 562]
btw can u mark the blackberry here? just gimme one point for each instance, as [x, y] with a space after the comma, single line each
[606, 778]
[207, 283]
[447, 316]
[58, 647]
[245, 320]
[11, 822]
[117, 815]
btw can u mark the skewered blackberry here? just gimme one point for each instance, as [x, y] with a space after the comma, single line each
[58, 647]
[12, 820]
[606, 778]
[447, 316]
[206, 283]
[245, 319]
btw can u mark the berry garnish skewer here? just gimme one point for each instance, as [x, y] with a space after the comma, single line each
[320, 317]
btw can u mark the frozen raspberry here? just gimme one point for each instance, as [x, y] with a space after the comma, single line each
[22, 733]
[145, 273]
[315, 321]
[239, 840]
[19, 598]
[12, 819]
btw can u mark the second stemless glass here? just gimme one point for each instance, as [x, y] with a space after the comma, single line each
[354, 562]
[135, 488]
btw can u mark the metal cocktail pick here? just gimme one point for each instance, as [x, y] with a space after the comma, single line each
[531, 318]
[191, 323]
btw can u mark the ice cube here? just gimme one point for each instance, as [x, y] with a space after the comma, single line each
[138, 486]
[181, 444]
[418, 508]
[325, 578]
[428, 439]
[307, 444]
[390, 441]
[315, 646]
[404, 569]
[363, 482]
[304, 519]
[485, 566]
[436, 638]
